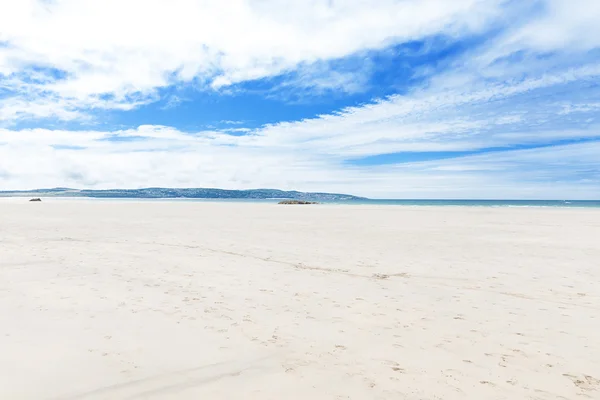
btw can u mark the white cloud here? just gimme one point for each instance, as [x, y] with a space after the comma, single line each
[128, 49]
[443, 119]
[530, 86]
[315, 154]
[563, 24]
[66, 58]
[183, 161]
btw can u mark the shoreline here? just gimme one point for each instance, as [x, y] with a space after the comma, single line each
[549, 204]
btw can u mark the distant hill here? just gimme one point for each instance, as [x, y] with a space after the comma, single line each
[191, 193]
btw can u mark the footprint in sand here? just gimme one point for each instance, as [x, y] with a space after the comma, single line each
[585, 382]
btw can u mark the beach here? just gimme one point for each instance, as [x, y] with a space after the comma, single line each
[200, 300]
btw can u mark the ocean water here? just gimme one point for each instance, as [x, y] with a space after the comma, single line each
[390, 202]
[484, 203]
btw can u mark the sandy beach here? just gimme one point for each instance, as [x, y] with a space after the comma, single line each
[193, 300]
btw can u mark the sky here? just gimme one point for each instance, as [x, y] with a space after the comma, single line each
[425, 99]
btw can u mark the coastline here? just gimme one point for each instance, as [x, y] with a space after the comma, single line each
[588, 204]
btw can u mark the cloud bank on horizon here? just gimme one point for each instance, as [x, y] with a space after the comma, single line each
[384, 98]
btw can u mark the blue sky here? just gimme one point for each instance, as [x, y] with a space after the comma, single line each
[385, 98]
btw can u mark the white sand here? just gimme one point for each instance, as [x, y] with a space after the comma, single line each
[180, 300]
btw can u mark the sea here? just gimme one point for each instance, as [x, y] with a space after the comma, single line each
[486, 203]
[384, 202]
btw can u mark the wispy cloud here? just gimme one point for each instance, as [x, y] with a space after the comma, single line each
[514, 115]
[112, 54]
[493, 125]
[170, 158]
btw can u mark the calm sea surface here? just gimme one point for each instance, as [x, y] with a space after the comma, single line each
[443, 203]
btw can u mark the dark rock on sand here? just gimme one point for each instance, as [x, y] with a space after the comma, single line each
[297, 202]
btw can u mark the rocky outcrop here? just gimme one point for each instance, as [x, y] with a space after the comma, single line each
[297, 202]
[36, 199]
